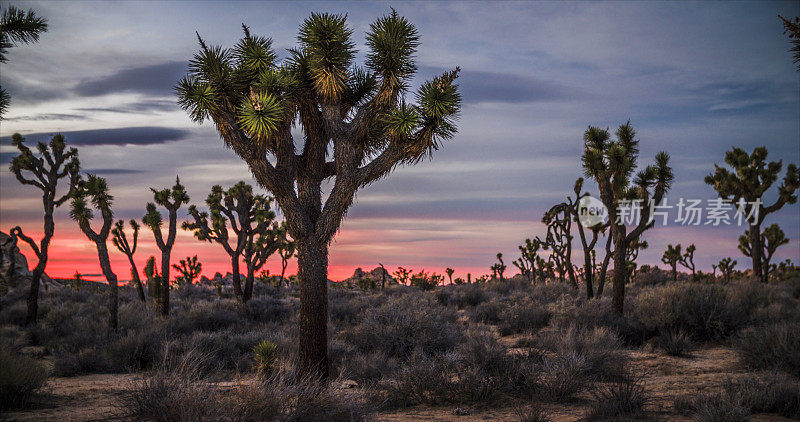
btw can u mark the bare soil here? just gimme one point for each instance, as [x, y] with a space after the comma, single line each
[91, 397]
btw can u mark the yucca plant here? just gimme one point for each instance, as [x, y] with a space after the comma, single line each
[54, 162]
[94, 193]
[357, 127]
[265, 354]
[17, 27]
[671, 257]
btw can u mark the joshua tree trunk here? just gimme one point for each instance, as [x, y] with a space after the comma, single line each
[312, 262]
[113, 292]
[756, 251]
[601, 282]
[136, 280]
[620, 270]
[36, 277]
[248, 284]
[674, 271]
[588, 270]
[235, 279]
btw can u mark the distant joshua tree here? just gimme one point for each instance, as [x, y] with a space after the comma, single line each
[55, 162]
[671, 257]
[259, 246]
[120, 241]
[449, 271]
[287, 250]
[357, 127]
[687, 260]
[751, 178]
[94, 191]
[402, 275]
[559, 240]
[249, 216]
[611, 164]
[771, 239]
[154, 283]
[17, 27]
[527, 260]
[726, 266]
[190, 269]
[171, 199]
[586, 245]
[499, 268]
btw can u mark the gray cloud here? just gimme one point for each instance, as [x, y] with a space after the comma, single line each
[145, 135]
[106, 172]
[148, 106]
[153, 80]
[47, 116]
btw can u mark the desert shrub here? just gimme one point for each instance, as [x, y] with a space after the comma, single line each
[347, 306]
[135, 351]
[167, 397]
[265, 354]
[523, 316]
[774, 346]
[699, 309]
[652, 277]
[600, 348]
[738, 398]
[487, 312]
[405, 323]
[532, 413]
[619, 399]
[589, 314]
[267, 308]
[421, 379]
[370, 366]
[673, 342]
[227, 350]
[13, 313]
[462, 296]
[563, 377]
[480, 349]
[85, 361]
[20, 378]
[206, 316]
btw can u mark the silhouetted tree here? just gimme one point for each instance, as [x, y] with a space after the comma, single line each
[771, 239]
[402, 275]
[190, 269]
[687, 259]
[287, 250]
[357, 115]
[586, 245]
[751, 179]
[527, 260]
[17, 27]
[611, 164]
[246, 212]
[120, 241]
[171, 199]
[383, 276]
[559, 240]
[726, 266]
[93, 192]
[671, 257]
[259, 246]
[449, 271]
[498, 268]
[55, 162]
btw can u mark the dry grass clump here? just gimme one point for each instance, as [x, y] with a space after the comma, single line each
[21, 378]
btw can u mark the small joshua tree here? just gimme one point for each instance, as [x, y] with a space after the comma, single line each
[449, 271]
[559, 240]
[750, 179]
[611, 164]
[190, 269]
[259, 246]
[249, 216]
[527, 260]
[586, 244]
[687, 260]
[171, 199]
[55, 162]
[94, 191]
[402, 275]
[771, 239]
[287, 249]
[499, 268]
[726, 266]
[120, 241]
[671, 257]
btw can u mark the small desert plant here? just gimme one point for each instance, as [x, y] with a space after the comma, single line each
[20, 378]
[532, 413]
[265, 355]
[563, 377]
[619, 399]
[673, 342]
[523, 316]
[774, 346]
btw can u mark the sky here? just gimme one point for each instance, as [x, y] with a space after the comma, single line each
[693, 78]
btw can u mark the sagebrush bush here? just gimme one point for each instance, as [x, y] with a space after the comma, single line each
[600, 348]
[768, 392]
[563, 377]
[523, 316]
[773, 346]
[673, 343]
[532, 413]
[21, 378]
[404, 324]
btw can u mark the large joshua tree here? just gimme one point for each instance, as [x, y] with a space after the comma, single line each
[93, 192]
[249, 216]
[357, 127]
[120, 241]
[54, 162]
[17, 27]
[771, 239]
[750, 179]
[612, 164]
[171, 199]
